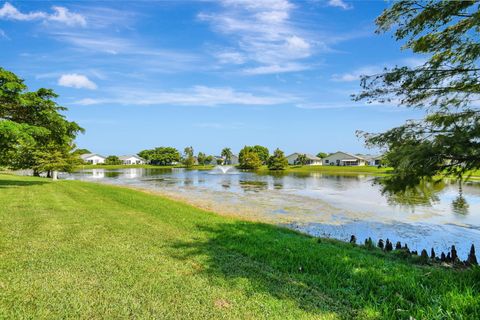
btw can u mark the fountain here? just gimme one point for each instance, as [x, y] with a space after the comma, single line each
[222, 169]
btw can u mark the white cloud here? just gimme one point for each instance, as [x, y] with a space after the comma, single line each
[60, 15]
[195, 96]
[230, 57]
[264, 34]
[356, 74]
[339, 4]
[290, 67]
[3, 35]
[75, 80]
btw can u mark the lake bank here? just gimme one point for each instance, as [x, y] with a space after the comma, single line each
[320, 204]
[76, 249]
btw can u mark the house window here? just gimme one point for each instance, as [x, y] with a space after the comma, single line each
[326, 161]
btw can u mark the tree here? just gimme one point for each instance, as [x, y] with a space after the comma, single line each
[31, 126]
[277, 161]
[163, 156]
[189, 159]
[113, 160]
[227, 155]
[301, 160]
[209, 159]
[52, 159]
[202, 158]
[81, 151]
[446, 85]
[249, 159]
[322, 155]
[262, 152]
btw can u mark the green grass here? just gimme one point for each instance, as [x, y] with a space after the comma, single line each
[72, 249]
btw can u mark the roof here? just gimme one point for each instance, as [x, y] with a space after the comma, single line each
[309, 156]
[349, 154]
[89, 155]
[370, 157]
[130, 156]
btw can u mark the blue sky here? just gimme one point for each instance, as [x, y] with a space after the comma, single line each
[210, 74]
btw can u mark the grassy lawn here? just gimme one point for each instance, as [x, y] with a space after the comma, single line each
[72, 249]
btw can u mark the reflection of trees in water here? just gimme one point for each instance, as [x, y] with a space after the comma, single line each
[460, 204]
[251, 185]
[426, 193]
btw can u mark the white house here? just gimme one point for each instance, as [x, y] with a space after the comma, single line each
[233, 160]
[132, 159]
[311, 159]
[340, 158]
[372, 160]
[92, 158]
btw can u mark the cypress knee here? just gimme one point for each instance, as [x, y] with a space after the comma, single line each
[472, 258]
[380, 244]
[388, 246]
[454, 254]
[353, 239]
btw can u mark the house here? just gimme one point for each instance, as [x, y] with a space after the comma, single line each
[311, 159]
[92, 158]
[132, 159]
[372, 160]
[234, 160]
[340, 158]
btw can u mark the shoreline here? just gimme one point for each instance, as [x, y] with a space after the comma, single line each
[249, 215]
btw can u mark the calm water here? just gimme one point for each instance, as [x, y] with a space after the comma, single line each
[321, 204]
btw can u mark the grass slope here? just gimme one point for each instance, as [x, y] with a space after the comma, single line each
[71, 249]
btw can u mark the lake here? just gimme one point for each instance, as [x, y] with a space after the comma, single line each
[319, 204]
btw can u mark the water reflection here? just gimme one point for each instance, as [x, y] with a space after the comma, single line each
[318, 200]
[426, 193]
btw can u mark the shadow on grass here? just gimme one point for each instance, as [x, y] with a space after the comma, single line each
[328, 276]
[10, 183]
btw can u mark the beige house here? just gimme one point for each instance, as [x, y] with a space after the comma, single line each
[340, 158]
[311, 159]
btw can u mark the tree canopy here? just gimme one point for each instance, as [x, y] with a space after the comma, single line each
[277, 161]
[248, 158]
[113, 160]
[227, 155]
[33, 132]
[446, 84]
[301, 159]
[262, 152]
[189, 159]
[163, 156]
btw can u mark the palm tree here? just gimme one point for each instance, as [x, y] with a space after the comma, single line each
[227, 155]
[301, 159]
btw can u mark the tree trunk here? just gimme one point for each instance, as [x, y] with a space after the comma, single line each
[54, 175]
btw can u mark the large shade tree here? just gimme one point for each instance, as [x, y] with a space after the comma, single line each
[33, 132]
[446, 85]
